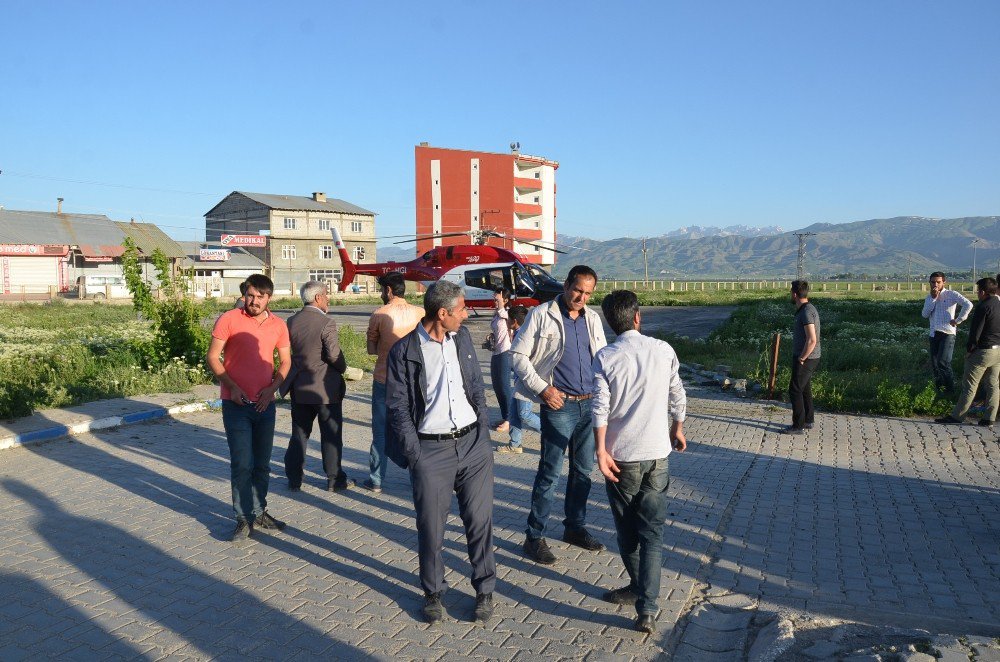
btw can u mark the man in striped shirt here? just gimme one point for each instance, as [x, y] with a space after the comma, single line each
[939, 307]
[638, 398]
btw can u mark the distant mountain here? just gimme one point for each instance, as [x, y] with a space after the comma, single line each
[391, 253]
[898, 245]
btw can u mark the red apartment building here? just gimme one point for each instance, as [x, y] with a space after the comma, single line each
[460, 190]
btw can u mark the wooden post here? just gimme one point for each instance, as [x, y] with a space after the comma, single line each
[773, 377]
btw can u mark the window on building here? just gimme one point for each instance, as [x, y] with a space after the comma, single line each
[359, 253]
[324, 224]
[326, 252]
[325, 274]
[287, 251]
[536, 199]
[538, 175]
[289, 223]
[355, 226]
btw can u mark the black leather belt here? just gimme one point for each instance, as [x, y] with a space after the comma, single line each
[570, 396]
[444, 436]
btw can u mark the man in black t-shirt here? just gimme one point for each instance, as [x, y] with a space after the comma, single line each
[805, 359]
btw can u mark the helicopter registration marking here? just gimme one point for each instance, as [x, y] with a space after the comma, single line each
[401, 270]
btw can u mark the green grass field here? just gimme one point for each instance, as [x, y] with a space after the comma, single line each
[874, 353]
[59, 355]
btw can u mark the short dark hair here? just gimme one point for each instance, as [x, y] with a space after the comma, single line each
[261, 283]
[938, 274]
[800, 287]
[518, 313]
[578, 271]
[987, 285]
[243, 288]
[619, 309]
[394, 281]
[442, 294]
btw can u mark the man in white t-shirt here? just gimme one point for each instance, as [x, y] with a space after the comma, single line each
[638, 397]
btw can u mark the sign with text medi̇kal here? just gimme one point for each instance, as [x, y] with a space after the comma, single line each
[254, 240]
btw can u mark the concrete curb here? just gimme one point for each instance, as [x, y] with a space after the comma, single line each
[58, 431]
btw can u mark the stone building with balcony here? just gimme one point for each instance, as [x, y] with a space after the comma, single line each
[298, 245]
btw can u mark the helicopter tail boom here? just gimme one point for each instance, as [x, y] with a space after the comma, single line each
[349, 267]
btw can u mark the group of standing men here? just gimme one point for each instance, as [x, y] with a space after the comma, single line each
[430, 416]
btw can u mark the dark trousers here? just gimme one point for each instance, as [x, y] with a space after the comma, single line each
[942, 349]
[250, 435]
[463, 467]
[639, 506]
[800, 392]
[331, 435]
[500, 372]
[563, 429]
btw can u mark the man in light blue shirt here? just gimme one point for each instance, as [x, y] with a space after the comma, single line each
[638, 397]
[945, 309]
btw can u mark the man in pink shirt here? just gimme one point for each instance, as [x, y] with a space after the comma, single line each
[246, 339]
[387, 325]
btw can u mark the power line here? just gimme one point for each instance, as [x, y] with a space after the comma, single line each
[29, 175]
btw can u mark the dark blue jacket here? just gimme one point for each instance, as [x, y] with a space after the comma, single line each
[406, 396]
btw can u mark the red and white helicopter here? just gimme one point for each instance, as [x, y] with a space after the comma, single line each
[479, 268]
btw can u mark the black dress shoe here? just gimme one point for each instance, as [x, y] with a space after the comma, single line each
[582, 538]
[295, 487]
[986, 423]
[949, 420]
[538, 550]
[432, 610]
[265, 521]
[242, 531]
[621, 596]
[791, 429]
[339, 485]
[645, 623]
[484, 607]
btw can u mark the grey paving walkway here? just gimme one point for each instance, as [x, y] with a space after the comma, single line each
[113, 544]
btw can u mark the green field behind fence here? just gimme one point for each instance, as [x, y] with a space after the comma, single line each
[58, 355]
[874, 353]
[874, 346]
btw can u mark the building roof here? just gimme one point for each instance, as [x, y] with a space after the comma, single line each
[299, 203]
[238, 258]
[148, 238]
[95, 235]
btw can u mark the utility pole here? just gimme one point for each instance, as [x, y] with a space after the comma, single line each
[909, 274]
[800, 271]
[645, 263]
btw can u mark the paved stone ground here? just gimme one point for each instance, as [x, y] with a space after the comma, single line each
[113, 545]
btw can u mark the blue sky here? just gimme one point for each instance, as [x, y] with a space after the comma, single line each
[661, 114]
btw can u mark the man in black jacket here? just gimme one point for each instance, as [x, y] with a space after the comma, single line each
[438, 428]
[983, 357]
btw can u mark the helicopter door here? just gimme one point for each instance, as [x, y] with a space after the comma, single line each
[519, 282]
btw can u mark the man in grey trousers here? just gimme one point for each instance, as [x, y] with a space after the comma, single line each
[438, 428]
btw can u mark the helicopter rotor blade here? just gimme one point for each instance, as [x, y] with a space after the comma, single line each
[544, 248]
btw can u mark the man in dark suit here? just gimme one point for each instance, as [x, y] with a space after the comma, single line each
[438, 428]
[317, 386]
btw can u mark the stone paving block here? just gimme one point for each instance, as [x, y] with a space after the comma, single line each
[687, 653]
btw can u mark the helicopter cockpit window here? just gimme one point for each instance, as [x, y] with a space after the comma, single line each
[523, 286]
[541, 275]
[485, 279]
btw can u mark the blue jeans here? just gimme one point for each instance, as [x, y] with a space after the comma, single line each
[251, 436]
[639, 505]
[378, 463]
[562, 429]
[500, 373]
[942, 349]
[521, 417]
